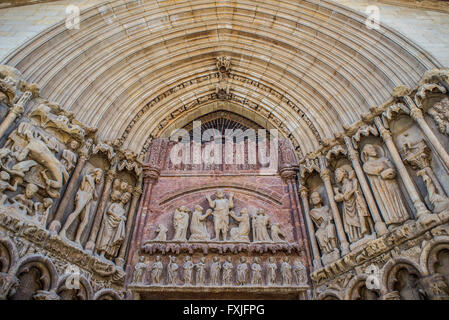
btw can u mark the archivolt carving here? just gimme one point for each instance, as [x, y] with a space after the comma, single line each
[8, 254]
[392, 267]
[107, 294]
[85, 292]
[429, 253]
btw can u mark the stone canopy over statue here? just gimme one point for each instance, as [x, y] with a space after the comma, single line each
[220, 212]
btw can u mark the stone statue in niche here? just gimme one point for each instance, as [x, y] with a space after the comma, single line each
[200, 268]
[277, 235]
[260, 222]
[172, 271]
[256, 270]
[215, 269]
[161, 233]
[156, 271]
[5, 186]
[325, 232]
[271, 271]
[356, 217]
[24, 202]
[300, 272]
[221, 207]
[83, 200]
[227, 271]
[439, 202]
[198, 229]
[242, 272]
[286, 272]
[188, 270]
[139, 271]
[386, 190]
[181, 223]
[241, 233]
[112, 232]
[440, 114]
[69, 156]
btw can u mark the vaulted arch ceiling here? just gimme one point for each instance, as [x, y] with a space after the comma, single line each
[133, 67]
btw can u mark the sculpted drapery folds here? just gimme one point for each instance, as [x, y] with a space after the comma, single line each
[221, 207]
[181, 223]
[139, 271]
[386, 190]
[260, 222]
[83, 200]
[215, 269]
[156, 271]
[242, 272]
[198, 229]
[241, 233]
[322, 218]
[112, 232]
[356, 218]
[271, 271]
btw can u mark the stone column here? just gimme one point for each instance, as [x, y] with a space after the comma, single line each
[421, 211]
[55, 225]
[379, 225]
[417, 115]
[120, 261]
[325, 176]
[17, 109]
[90, 245]
[315, 250]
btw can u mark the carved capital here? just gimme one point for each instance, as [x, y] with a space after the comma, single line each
[151, 173]
[288, 174]
[110, 175]
[325, 174]
[137, 191]
[418, 156]
[416, 113]
[303, 191]
[17, 109]
[384, 132]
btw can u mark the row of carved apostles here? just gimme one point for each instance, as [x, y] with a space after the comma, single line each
[54, 172]
[225, 274]
[221, 212]
[385, 186]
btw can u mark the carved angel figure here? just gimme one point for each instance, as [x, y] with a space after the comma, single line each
[382, 175]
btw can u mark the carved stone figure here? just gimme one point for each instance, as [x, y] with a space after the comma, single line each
[139, 271]
[83, 200]
[271, 271]
[382, 175]
[37, 149]
[215, 269]
[198, 229]
[24, 202]
[286, 271]
[181, 223]
[325, 232]
[156, 271]
[69, 156]
[356, 218]
[43, 210]
[439, 202]
[440, 114]
[221, 207]
[161, 233]
[300, 272]
[4, 185]
[172, 271]
[188, 270]
[277, 235]
[260, 224]
[256, 270]
[242, 272]
[241, 233]
[227, 271]
[200, 268]
[112, 232]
